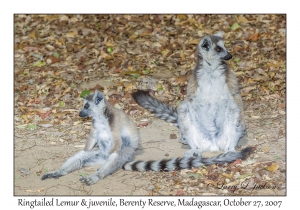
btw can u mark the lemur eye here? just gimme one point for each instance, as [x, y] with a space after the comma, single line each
[219, 49]
[86, 106]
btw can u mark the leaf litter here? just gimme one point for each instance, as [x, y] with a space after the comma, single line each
[55, 55]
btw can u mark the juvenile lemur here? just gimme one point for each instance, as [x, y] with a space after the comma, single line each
[118, 138]
[211, 116]
[116, 135]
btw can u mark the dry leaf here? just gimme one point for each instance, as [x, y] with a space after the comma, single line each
[238, 161]
[180, 192]
[97, 87]
[182, 55]
[255, 117]
[194, 41]
[228, 175]
[272, 74]
[109, 44]
[209, 194]
[266, 90]
[182, 80]
[242, 19]
[132, 72]
[248, 89]
[134, 35]
[281, 105]
[182, 17]
[67, 90]
[71, 34]
[79, 146]
[44, 115]
[129, 87]
[142, 124]
[203, 172]
[250, 80]
[49, 18]
[237, 48]
[273, 167]
[253, 37]
[265, 149]
[281, 112]
[33, 191]
[25, 118]
[210, 182]
[232, 183]
[194, 170]
[32, 35]
[238, 73]
[45, 124]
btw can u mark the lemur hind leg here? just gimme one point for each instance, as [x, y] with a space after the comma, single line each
[189, 133]
[115, 161]
[76, 162]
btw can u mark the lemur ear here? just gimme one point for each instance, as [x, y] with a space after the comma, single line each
[98, 97]
[219, 34]
[205, 44]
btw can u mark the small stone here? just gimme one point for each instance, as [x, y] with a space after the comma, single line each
[150, 188]
[139, 177]
[24, 171]
[282, 112]
[225, 191]
[209, 194]
[49, 61]
[50, 47]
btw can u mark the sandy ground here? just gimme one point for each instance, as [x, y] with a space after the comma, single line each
[44, 150]
[35, 155]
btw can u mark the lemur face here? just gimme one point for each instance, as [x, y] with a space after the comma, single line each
[212, 49]
[93, 105]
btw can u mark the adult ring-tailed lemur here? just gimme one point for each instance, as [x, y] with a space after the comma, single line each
[211, 116]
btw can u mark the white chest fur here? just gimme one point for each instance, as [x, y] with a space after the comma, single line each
[214, 105]
[211, 85]
[103, 134]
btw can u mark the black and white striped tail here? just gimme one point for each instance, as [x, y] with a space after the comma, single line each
[186, 163]
[158, 108]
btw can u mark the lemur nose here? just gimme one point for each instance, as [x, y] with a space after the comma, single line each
[227, 57]
[81, 114]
